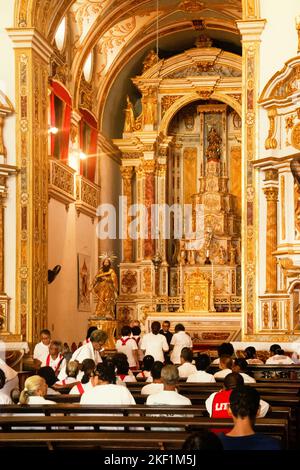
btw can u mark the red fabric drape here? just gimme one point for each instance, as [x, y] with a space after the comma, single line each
[52, 121]
[64, 134]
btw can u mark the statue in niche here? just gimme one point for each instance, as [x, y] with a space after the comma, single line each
[213, 151]
[222, 255]
[105, 287]
[129, 117]
[150, 60]
[149, 107]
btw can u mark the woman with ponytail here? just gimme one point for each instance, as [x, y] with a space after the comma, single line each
[34, 392]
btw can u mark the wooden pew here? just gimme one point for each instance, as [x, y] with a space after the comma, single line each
[130, 436]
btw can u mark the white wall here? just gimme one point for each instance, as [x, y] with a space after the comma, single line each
[279, 43]
[279, 38]
[7, 85]
[68, 236]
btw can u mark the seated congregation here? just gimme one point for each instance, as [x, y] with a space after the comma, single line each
[149, 386]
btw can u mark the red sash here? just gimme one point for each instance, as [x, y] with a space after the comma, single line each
[124, 341]
[56, 370]
[80, 388]
[219, 404]
[122, 376]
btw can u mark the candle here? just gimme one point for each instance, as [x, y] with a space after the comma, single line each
[207, 253]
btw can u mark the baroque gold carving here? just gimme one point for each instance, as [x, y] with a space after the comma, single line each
[271, 142]
[271, 174]
[147, 280]
[265, 316]
[282, 201]
[150, 60]
[275, 318]
[167, 101]
[86, 94]
[295, 136]
[61, 182]
[129, 282]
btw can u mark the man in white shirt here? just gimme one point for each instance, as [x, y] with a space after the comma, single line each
[92, 349]
[106, 392]
[187, 368]
[169, 395]
[157, 384]
[202, 364]
[155, 344]
[241, 367]
[41, 350]
[224, 349]
[128, 346]
[225, 366]
[179, 341]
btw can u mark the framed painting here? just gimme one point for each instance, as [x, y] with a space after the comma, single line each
[84, 273]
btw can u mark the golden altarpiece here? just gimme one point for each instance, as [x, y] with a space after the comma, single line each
[184, 150]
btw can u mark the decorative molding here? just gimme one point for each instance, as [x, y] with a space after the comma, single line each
[30, 38]
[251, 29]
[61, 181]
[87, 197]
[271, 142]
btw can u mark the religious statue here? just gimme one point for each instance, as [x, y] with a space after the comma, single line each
[213, 151]
[129, 123]
[222, 255]
[105, 286]
[149, 108]
[207, 241]
[150, 60]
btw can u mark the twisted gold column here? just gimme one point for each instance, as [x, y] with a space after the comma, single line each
[271, 194]
[127, 172]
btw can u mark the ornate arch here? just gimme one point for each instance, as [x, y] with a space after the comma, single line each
[185, 100]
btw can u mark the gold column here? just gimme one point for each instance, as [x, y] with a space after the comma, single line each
[250, 28]
[271, 194]
[149, 169]
[32, 56]
[140, 183]
[127, 173]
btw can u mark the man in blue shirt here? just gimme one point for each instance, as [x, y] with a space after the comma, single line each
[244, 405]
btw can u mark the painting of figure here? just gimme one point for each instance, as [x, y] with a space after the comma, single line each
[84, 265]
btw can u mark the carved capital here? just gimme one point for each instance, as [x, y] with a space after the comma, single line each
[271, 194]
[126, 172]
[149, 166]
[161, 169]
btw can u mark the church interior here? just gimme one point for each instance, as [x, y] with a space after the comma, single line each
[176, 103]
[164, 136]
